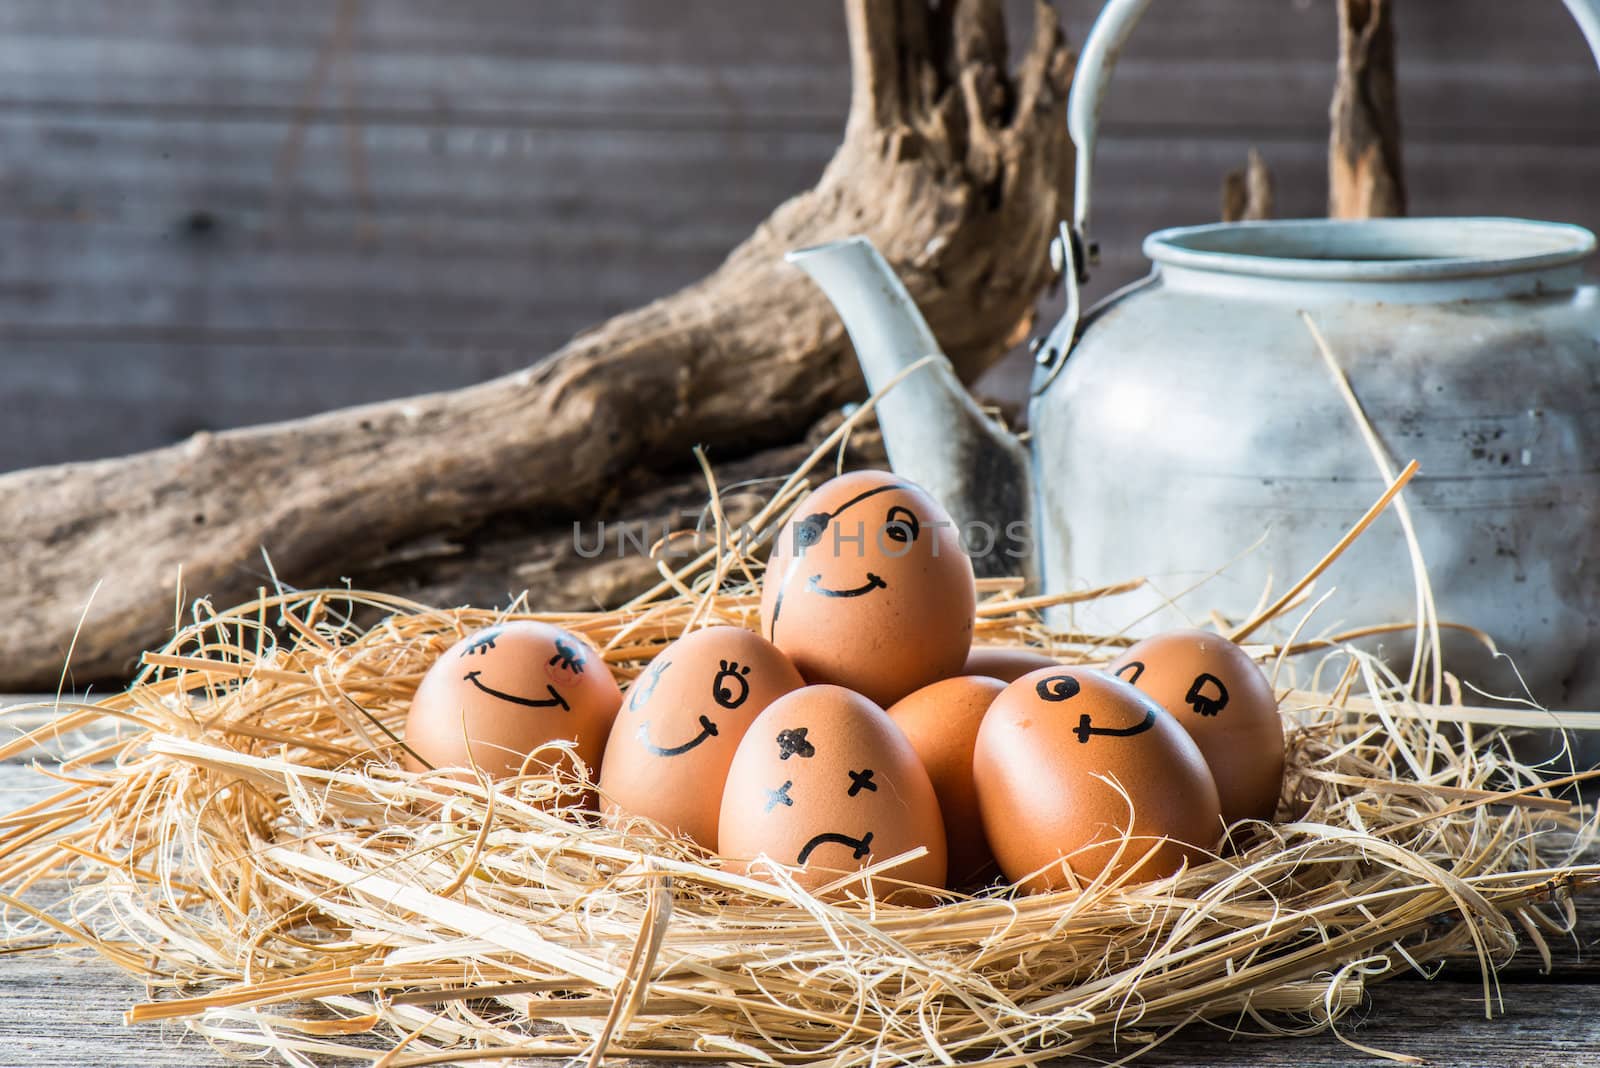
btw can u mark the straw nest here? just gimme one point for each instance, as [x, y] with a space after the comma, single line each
[235, 831]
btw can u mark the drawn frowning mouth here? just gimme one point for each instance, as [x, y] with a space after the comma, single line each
[860, 846]
[814, 585]
[556, 700]
[708, 729]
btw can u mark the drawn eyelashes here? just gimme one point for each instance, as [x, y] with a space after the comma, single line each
[482, 642]
[730, 688]
[642, 690]
[568, 657]
[556, 700]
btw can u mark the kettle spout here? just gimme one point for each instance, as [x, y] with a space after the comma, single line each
[934, 432]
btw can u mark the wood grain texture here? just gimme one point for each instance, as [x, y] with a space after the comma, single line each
[67, 1013]
[953, 162]
[1366, 177]
[195, 192]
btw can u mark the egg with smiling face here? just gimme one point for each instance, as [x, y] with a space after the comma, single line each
[501, 693]
[825, 783]
[1075, 769]
[684, 716]
[868, 587]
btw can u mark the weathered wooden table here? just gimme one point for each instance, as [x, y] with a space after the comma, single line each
[67, 1010]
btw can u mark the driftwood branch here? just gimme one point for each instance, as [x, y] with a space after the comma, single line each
[957, 167]
[1364, 173]
[1247, 193]
[572, 564]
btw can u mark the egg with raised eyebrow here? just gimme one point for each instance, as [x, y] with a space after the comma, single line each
[868, 587]
[1080, 775]
[500, 693]
[683, 718]
[824, 783]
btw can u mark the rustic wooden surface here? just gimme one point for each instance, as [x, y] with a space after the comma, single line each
[214, 214]
[1366, 178]
[61, 1011]
[955, 162]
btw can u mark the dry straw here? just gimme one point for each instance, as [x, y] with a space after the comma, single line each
[234, 830]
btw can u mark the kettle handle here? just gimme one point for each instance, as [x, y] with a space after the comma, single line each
[1100, 52]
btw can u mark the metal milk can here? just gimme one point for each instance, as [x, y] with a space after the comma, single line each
[1188, 423]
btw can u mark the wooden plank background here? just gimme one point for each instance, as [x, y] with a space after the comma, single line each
[217, 212]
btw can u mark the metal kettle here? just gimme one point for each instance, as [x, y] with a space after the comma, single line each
[1188, 421]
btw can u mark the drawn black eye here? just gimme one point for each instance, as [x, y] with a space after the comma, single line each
[901, 525]
[729, 688]
[809, 530]
[1057, 688]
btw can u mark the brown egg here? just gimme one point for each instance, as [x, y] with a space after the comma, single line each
[502, 692]
[825, 782]
[1046, 749]
[941, 721]
[1218, 694]
[1007, 665]
[868, 587]
[673, 741]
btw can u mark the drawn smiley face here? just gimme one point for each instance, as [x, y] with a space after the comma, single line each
[684, 717]
[868, 587]
[499, 694]
[832, 534]
[1113, 762]
[730, 688]
[825, 783]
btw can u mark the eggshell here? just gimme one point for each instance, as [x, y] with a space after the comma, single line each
[1045, 752]
[686, 712]
[502, 692]
[867, 587]
[824, 781]
[941, 721]
[1007, 665]
[1225, 702]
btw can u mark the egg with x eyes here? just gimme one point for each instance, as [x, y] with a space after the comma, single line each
[825, 784]
[684, 716]
[868, 587]
[499, 694]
